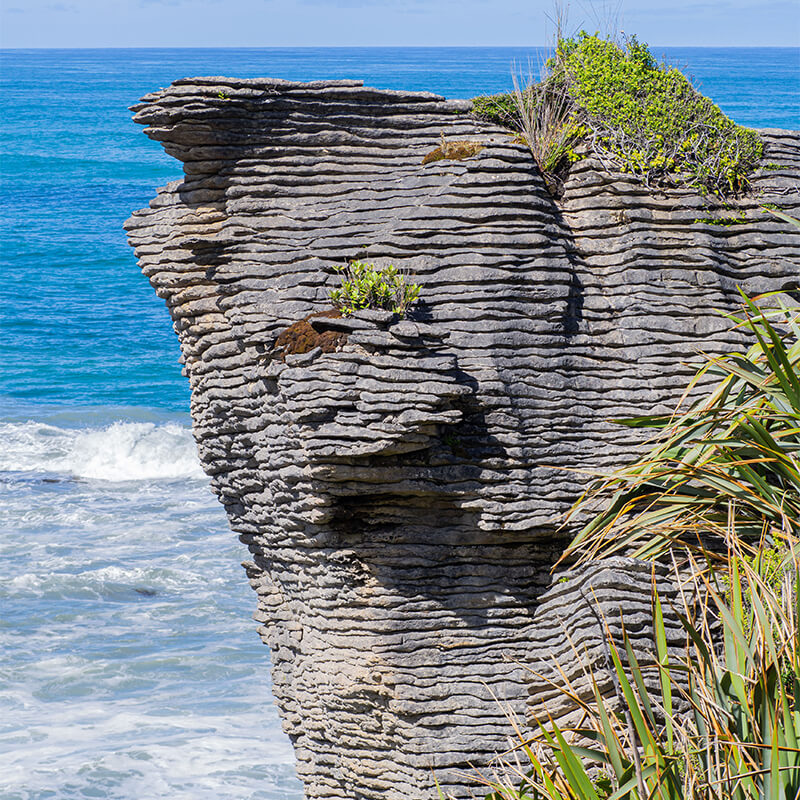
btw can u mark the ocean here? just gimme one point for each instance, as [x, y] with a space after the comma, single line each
[129, 665]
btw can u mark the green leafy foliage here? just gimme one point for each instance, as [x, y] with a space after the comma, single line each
[719, 722]
[498, 108]
[646, 118]
[367, 286]
[636, 115]
[722, 222]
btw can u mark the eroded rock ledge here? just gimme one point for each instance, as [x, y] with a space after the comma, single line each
[400, 496]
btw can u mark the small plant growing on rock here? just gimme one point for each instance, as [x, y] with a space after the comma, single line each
[498, 108]
[367, 286]
[550, 125]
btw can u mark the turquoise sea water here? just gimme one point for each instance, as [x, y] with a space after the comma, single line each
[129, 666]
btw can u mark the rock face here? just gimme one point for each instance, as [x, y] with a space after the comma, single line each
[401, 495]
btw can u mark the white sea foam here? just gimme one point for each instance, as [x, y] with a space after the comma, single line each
[127, 754]
[107, 582]
[128, 666]
[123, 451]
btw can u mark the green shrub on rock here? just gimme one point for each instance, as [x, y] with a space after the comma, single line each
[367, 286]
[646, 118]
[633, 113]
[498, 108]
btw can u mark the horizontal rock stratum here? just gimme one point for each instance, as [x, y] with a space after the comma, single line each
[401, 495]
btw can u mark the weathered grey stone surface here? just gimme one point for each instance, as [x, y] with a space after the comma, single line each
[400, 497]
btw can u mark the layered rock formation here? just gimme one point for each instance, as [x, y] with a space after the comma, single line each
[401, 493]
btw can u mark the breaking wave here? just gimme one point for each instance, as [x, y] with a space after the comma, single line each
[122, 451]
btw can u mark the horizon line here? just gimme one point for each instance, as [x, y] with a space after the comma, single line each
[390, 47]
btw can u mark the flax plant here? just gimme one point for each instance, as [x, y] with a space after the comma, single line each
[719, 722]
[737, 447]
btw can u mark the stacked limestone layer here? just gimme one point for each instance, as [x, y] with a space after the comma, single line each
[400, 497]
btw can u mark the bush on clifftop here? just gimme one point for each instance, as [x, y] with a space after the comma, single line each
[498, 108]
[633, 113]
[646, 118]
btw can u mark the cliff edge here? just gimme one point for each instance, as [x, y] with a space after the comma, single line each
[400, 491]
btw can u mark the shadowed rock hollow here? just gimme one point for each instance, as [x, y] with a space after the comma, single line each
[400, 490]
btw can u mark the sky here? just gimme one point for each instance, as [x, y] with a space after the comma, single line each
[318, 23]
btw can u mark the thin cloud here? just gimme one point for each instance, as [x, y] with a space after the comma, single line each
[389, 4]
[146, 3]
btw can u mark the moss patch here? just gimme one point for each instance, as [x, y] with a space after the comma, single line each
[300, 337]
[453, 151]
[723, 222]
